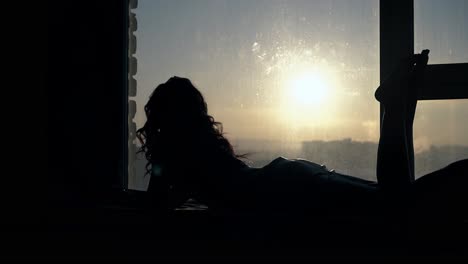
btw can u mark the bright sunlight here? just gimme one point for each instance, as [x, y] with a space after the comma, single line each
[307, 96]
[307, 89]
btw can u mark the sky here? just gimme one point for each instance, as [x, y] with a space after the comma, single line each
[295, 70]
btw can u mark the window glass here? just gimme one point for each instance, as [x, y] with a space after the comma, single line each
[286, 78]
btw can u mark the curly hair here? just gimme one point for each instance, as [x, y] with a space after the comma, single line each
[177, 110]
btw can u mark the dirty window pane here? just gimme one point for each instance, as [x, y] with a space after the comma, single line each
[286, 78]
[442, 27]
[440, 128]
[440, 134]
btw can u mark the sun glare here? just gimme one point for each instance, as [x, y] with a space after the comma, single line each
[307, 96]
[307, 89]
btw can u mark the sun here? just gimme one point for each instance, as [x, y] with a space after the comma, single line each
[307, 89]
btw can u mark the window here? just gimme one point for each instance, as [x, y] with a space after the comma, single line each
[442, 26]
[256, 62]
[440, 130]
[440, 134]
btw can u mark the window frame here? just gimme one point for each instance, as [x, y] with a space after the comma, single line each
[442, 81]
[131, 26]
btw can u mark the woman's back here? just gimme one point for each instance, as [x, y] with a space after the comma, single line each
[286, 184]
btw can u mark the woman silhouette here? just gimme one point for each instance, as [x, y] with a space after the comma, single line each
[188, 156]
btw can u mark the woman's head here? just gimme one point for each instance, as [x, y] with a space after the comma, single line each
[177, 117]
[175, 105]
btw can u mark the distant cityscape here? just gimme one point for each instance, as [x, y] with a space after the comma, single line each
[356, 158]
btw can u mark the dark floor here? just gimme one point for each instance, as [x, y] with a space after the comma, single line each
[125, 233]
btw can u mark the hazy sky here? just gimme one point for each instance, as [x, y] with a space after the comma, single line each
[294, 70]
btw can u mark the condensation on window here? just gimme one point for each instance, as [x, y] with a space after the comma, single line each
[440, 128]
[442, 27]
[286, 78]
[440, 134]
